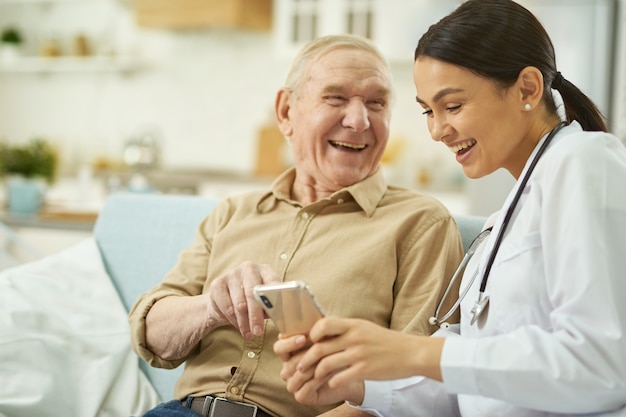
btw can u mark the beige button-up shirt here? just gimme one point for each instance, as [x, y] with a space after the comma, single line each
[369, 251]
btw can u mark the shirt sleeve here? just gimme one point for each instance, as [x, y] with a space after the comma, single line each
[577, 365]
[425, 269]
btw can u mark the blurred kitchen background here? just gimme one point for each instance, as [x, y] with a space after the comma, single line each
[176, 96]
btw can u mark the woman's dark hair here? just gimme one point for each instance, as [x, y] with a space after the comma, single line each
[496, 39]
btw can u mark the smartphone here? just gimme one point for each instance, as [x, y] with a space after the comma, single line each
[290, 305]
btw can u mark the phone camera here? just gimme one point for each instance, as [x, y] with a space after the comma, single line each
[266, 301]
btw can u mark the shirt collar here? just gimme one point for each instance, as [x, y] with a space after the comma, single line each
[366, 193]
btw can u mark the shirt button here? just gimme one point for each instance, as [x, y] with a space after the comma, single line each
[340, 201]
[251, 355]
[283, 256]
[234, 390]
[305, 215]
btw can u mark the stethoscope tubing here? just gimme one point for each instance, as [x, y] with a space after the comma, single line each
[466, 258]
[513, 205]
[435, 320]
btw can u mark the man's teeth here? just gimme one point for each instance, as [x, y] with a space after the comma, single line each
[348, 145]
[463, 145]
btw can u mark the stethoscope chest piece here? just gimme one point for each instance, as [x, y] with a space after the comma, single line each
[480, 305]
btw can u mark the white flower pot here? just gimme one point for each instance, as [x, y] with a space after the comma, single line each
[9, 53]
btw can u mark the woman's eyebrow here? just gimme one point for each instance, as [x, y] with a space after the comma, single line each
[440, 94]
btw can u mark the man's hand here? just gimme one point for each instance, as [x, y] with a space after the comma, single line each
[175, 325]
[232, 299]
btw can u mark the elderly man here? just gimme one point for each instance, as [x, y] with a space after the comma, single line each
[366, 249]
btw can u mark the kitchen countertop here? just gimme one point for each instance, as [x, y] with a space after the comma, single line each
[73, 202]
[51, 220]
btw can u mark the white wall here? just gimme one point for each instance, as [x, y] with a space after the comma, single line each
[208, 91]
[619, 88]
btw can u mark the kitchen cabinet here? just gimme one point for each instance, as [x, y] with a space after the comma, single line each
[185, 14]
[394, 25]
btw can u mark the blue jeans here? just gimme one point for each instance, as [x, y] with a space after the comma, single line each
[170, 409]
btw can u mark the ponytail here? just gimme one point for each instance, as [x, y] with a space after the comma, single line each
[578, 106]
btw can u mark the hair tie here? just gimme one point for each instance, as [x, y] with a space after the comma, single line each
[560, 106]
[558, 80]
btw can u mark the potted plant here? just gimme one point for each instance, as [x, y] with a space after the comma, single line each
[27, 168]
[10, 43]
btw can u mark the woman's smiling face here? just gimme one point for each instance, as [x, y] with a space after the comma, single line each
[477, 120]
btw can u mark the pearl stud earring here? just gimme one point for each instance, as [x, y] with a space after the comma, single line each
[527, 106]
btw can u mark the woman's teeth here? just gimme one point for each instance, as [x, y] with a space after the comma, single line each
[348, 145]
[460, 147]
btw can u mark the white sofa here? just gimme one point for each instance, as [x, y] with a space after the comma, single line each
[137, 239]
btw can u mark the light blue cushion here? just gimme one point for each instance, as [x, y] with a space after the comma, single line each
[469, 227]
[140, 237]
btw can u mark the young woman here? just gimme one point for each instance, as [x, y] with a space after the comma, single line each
[543, 321]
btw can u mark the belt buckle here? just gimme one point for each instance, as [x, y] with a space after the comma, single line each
[223, 407]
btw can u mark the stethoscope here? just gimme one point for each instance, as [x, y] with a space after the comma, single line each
[481, 303]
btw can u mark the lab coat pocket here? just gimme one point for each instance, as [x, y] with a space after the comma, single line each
[513, 247]
[518, 266]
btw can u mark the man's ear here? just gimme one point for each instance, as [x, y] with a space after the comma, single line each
[530, 86]
[281, 108]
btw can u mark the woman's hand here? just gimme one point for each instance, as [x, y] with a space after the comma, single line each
[348, 350]
[306, 390]
[332, 364]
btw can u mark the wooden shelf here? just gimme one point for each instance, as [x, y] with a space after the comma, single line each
[23, 2]
[31, 64]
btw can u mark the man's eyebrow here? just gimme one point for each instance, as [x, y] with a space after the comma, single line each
[383, 91]
[332, 88]
[336, 88]
[440, 94]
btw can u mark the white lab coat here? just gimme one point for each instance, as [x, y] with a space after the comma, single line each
[554, 336]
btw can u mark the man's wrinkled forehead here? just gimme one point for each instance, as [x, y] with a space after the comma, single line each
[362, 69]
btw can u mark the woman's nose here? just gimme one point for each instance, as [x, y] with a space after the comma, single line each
[439, 128]
[356, 116]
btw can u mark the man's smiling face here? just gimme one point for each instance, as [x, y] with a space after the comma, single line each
[339, 118]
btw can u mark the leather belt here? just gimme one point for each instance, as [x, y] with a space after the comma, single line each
[210, 406]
